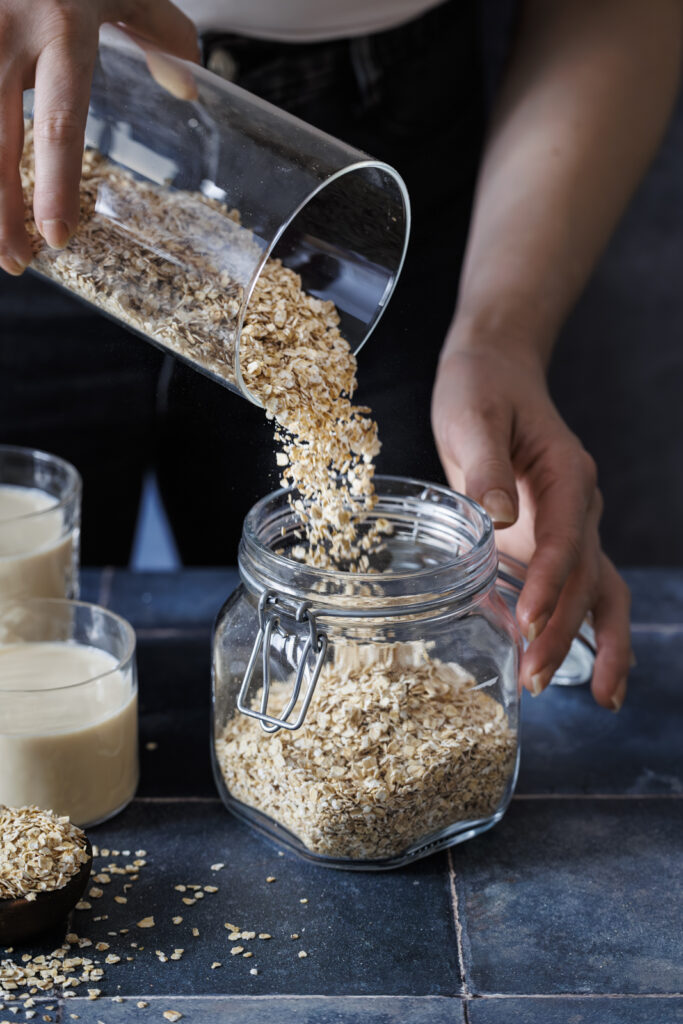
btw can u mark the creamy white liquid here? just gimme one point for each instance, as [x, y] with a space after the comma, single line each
[68, 748]
[36, 559]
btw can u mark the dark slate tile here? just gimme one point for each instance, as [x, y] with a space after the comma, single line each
[279, 1010]
[656, 595]
[163, 600]
[46, 1009]
[90, 585]
[628, 1010]
[575, 896]
[175, 698]
[387, 933]
[570, 745]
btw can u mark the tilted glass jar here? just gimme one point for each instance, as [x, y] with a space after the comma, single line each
[366, 720]
[188, 191]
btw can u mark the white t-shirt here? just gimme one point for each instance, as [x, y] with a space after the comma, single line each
[302, 20]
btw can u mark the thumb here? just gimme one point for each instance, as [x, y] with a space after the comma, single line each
[479, 447]
[161, 23]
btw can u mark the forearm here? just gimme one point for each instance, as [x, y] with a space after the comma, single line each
[585, 102]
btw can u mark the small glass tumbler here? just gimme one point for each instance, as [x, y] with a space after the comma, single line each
[40, 515]
[68, 709]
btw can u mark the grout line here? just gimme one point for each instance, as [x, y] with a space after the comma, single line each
[578, 995]
[597, 796]
[464, 990]
[106, 580]
[657, 627]
[170, 632]
[225, 997]
[176, 800]
[517, 796]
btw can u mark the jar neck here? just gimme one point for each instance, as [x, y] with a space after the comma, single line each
[441, 552]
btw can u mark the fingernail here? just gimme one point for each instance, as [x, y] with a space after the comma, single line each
[499, 506]
[632, 660]
[537, 686]
[55, 232]
[537, 627]
[619, 696]
[14, 265]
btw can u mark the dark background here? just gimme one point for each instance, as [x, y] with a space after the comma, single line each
[616, 376]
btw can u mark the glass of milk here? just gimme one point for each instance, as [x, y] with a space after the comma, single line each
[40, 510]
[68, 708]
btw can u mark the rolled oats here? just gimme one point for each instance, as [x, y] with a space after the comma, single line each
[173, 265]
[39, 852]
[396, 745]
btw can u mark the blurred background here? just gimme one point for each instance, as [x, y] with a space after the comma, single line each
[616, 376]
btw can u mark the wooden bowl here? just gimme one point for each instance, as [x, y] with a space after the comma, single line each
[23, 919]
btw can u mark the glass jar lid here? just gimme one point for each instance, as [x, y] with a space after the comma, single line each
[577, 667]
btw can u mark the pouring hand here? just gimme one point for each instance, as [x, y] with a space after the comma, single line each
[52, 44]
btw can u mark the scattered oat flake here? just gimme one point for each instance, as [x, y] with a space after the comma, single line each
[195, 932]
[264, 935]
[302, 954]
[234, 950]
[215, 964]
[147, 922]
[210, 888]
[295, 935]
[217, 867]
[177, 920]
[246, 955]
[120, 899]
[141, 1005]
[253, 970]
[303, 900]
[271, 878]
[172, 1015]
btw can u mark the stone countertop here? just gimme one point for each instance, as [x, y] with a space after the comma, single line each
[569, 910]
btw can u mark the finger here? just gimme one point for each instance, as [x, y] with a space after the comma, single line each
[545, 654]
[161, 23]
[15, 248]
[63, 78]
[477, 439]
[564, 500]
[173, 76]
[613, 639]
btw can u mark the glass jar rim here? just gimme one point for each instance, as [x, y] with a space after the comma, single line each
[456, 577]
[74, 483]
[122, 660]
[352, 169]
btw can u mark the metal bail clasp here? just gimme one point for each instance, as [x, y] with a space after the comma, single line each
[270, 613]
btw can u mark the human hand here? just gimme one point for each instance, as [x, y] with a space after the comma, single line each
[52, 44]
[502, 442]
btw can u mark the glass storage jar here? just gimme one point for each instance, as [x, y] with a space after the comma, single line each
[366, 720]
[186, 196]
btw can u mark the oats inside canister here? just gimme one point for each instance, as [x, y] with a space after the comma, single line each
[396, 745]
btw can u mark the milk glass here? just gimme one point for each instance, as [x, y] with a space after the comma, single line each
[40, 510]
[68, 709]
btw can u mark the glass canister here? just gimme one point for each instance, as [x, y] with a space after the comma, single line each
[366, 720]
[186, 199]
